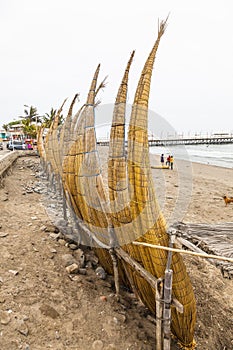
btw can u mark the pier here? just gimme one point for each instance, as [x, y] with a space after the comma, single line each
[211, 140]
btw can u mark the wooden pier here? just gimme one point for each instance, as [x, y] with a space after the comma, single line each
[211, 140]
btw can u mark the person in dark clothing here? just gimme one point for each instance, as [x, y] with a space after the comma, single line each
[162, 159]
[171, 162]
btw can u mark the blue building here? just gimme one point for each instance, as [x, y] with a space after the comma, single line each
[4, 135]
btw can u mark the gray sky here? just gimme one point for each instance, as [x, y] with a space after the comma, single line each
[50, 50]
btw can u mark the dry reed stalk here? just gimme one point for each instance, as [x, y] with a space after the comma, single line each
[40, 144]
[150, 225]
[64, 140]
[117, 165]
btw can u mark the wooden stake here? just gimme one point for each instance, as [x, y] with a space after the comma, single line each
[115, 271]
[159, 313]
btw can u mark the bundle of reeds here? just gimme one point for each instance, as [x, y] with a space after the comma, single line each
[149, 223]
[129, 210]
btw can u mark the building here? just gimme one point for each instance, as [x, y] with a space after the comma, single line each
[4, 135]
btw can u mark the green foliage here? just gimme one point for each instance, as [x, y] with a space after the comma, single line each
[48, 118]
[29, 129]
[31, 114]
[6, 127]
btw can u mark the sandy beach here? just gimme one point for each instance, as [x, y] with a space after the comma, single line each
[191, 192]
[198, 188]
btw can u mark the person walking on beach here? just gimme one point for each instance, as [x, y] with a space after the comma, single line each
[162, 159]
[168, 161]
[171, 162]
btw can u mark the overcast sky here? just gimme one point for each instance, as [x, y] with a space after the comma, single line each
[50, 50]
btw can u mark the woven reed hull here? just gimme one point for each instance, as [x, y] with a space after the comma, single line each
[145, 206]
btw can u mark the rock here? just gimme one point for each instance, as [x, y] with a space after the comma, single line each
[2, 299]
[49, 311]
[73, 269]
[68, 259]
[73, 246]
[4, 317]
[103, 298]
[80, 256]
[89, 265]
[97, 345]
[14, 272]
[57, 335]
[62, 242]
[22, 328]
[3, 234]
[101, 273]
[51, 228]
[120, 318]
[52, 250]
[53, 235]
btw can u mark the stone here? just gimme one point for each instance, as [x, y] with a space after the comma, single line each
[3, 234]
[52, 250]
[73, 269]
[62, 242]
[121, 318]
[2, 299]
[68, 259]
[49, 311]
[100, 273]
[103, 298]
[4, 317]
[80, 256]
[22, 328]
[73, 246]
[51, 228]
[53, 235]
[14, 272]
[97, 345]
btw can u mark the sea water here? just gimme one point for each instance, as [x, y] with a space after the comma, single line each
[219, 155]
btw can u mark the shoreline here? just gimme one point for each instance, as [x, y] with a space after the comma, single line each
[191, 192]
[204, 184]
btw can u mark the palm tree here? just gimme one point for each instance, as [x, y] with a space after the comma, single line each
[49, 117]
[31, 114]
[29, 129]
[5, 127]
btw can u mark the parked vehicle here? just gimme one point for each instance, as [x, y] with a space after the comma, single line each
[1, 146]
[16, 145]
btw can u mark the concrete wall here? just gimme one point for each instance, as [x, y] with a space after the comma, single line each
[6, 162]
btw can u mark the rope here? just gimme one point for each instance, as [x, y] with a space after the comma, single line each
[206, 256]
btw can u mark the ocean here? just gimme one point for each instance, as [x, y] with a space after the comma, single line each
[219, 155]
